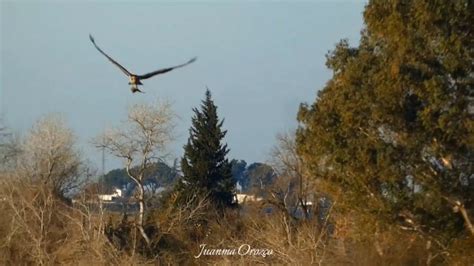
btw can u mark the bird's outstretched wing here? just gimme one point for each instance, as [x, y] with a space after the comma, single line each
[124, 70]
[164, 70]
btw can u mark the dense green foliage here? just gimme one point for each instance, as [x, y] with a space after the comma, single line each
[159, 174]
[393, 129]
[238, 172]
[206, 170]
[254, 177]
[115, 178]
[260, 176]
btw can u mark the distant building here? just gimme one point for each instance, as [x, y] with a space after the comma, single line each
[110, 197]
[241, 198]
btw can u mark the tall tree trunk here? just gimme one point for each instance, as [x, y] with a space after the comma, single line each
[141, 202]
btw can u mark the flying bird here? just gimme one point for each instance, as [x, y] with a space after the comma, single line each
[135, 79]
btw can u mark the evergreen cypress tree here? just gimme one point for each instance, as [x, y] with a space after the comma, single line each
[206, 170]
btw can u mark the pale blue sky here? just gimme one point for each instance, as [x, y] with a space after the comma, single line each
[259, 59]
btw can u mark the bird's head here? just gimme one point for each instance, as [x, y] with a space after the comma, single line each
[133, 80]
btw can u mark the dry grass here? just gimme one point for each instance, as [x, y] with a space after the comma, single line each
[37, 228]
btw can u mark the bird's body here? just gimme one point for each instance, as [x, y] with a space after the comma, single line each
[135, 80]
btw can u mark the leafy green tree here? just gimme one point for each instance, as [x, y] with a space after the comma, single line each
[238, 172]
[259, 177]
[158, 174]
[206, 170]
[393, 128]
[115, 178]
[253, 178]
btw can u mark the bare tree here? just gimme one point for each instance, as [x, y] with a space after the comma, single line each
[48, 155]
[140, 142]
[33, 190]
[289, 166]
